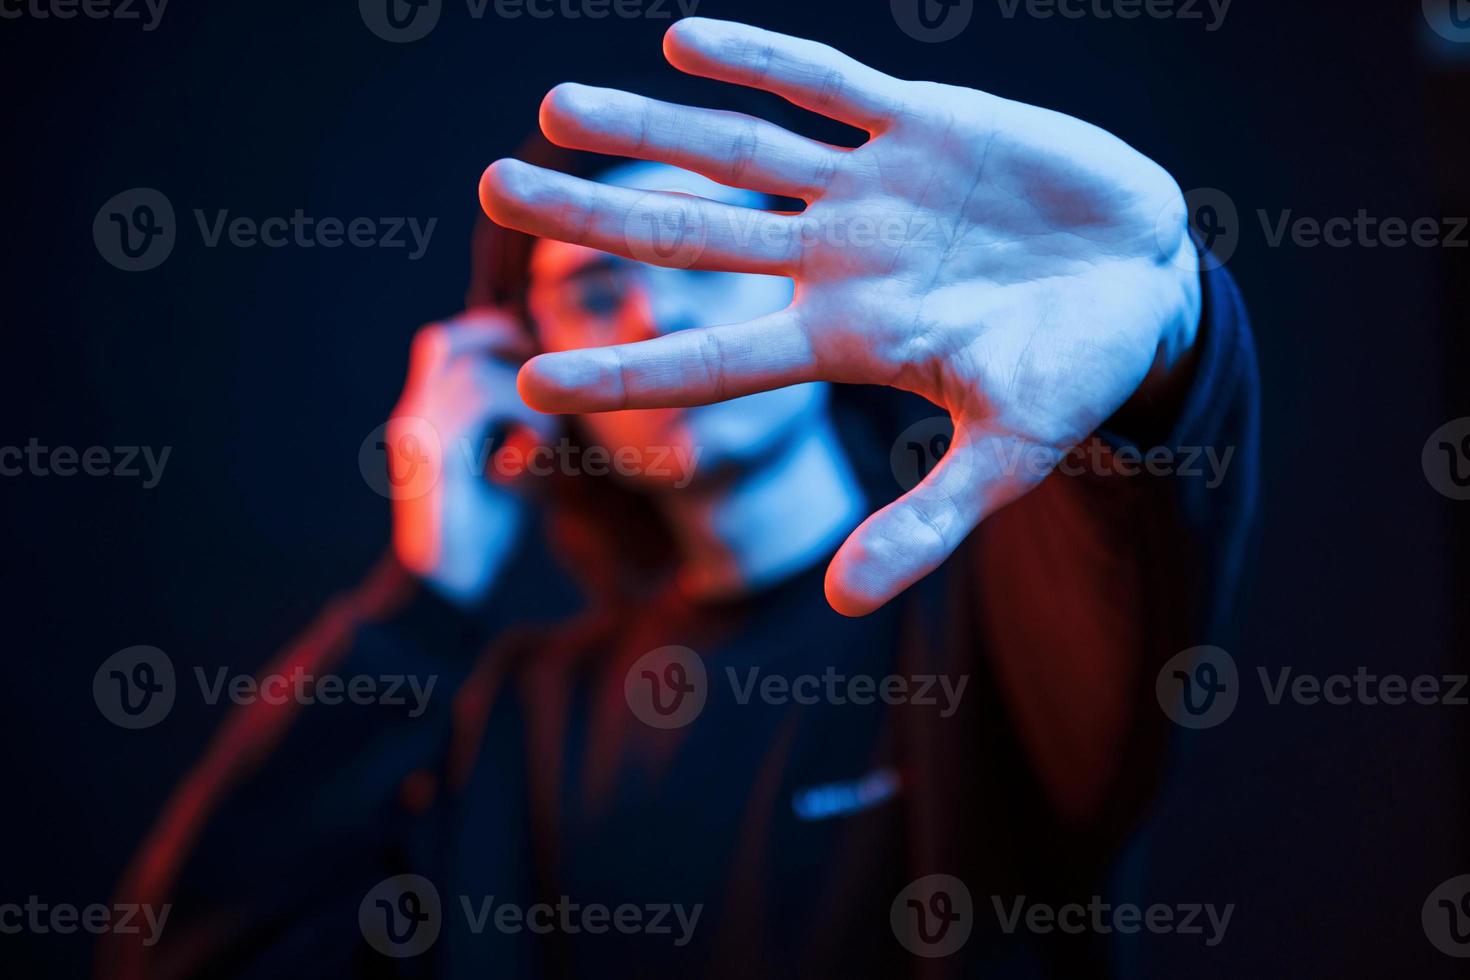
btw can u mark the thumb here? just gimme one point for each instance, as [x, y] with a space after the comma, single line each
[909, 538]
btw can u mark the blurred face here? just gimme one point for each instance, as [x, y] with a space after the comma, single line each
[584, 298]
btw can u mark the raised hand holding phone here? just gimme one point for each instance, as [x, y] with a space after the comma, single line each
[461, 388]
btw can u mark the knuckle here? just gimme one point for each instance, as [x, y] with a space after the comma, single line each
[712, 357]
[745, 150]
[915, 103]
[832, 91]
[825, 167]
[932, 516]
[622, 373]
[760, 56]
[637, 118]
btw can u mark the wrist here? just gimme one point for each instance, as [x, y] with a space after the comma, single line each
[460, 557]
[1157, 401]
[1180, 332]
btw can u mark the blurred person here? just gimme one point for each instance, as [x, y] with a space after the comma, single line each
[646, 667]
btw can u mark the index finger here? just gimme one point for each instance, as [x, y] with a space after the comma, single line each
[688, 367]
[806, 73]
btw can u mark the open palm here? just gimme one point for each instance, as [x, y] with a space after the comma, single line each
[1022, 269]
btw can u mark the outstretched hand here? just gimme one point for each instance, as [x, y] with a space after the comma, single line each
[1021, 269]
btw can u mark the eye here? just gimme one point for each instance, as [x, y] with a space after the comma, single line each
[600, 294]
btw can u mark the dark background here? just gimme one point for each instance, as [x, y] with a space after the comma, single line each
[264, 370]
